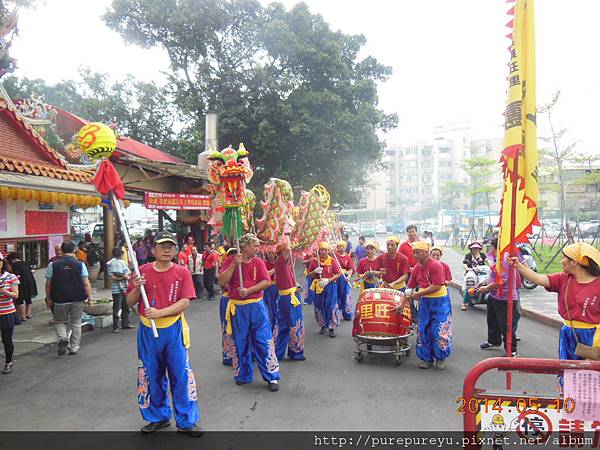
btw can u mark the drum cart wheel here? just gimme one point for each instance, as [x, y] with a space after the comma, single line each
[397, 346]
[397, 359]
[360, 356]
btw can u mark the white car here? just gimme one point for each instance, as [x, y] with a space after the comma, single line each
[380, 228]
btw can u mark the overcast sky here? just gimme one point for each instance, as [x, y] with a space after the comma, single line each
[449, 57]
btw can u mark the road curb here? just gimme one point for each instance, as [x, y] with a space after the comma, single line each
[532, 314]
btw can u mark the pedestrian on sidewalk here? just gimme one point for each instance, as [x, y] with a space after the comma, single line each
[247, 316]
[141, 252]
[434, 339]
[406, 246]
[194, 264]
[119, 274]
[81, 254]
[169, 288]
[578, 288]
[210, 266]
[67, 287]
[27, 286]
[497, 305]
[57, 255]
[9, 292]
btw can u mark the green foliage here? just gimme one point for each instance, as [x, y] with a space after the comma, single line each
[292, 90]
[480, 170]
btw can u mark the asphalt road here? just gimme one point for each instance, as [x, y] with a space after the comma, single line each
[96, 389]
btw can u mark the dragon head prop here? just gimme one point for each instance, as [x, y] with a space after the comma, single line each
[231, 170]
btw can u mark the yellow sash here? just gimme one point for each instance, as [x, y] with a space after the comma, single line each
[316, 286]
[166, 322]
[443, 291]
[291, 291]
[400, 285]
[586, 326]
[230, 312]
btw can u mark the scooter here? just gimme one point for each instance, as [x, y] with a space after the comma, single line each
[527, 254]
[474, 278]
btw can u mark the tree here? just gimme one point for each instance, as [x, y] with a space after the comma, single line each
[296, 93]
[480, 170]
[560, 153]
[450, 190]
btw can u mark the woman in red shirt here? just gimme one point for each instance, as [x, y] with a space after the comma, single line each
[369, 268]
[578, 288]
[325, 271]
[344, 290]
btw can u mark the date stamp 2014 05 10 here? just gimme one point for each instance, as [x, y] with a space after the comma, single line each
[521, 404]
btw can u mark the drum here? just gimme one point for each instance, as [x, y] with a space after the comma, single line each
[375, 315]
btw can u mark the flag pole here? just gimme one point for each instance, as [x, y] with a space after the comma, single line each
[132, 256]
[511, 270]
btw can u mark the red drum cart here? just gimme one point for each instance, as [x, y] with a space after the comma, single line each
[377, 324]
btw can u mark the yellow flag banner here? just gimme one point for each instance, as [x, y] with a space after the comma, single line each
[520, 134]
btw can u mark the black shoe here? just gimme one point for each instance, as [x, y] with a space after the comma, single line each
[486, 345]
[323, 329]
[273, 386]
[72, 352]
[154, 426]
[62, 348]
[239, 383]
[302, 358]
[194, 431]
[331, 333]
[518, 338]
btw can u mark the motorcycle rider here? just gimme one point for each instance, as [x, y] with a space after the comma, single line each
[472, 260]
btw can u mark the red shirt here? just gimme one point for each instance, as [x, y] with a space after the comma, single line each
[346, 261]
[270, 266]
[165, 288]
[211, 260]
[182, 258]
[253, 272]
[328, 271]
[430, 274]
[395, 268]
[284, 277]
[364, 265]
[406, 250]
[583, 298]
[447, 271]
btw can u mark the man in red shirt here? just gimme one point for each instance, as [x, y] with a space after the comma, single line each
[406, 246]
[211, 264]
[394, 266]
[325, 271]
[368, 268]
[290, 323]
[434, 339]
[246, 315]
[169, 288]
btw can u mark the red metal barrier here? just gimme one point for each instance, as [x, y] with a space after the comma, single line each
[522, 365]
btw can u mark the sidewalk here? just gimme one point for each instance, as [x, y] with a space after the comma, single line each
[37, 331]
[537, 304]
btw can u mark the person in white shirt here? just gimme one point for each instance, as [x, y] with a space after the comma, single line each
[195, 267]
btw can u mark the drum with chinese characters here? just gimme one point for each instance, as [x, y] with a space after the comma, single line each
[376, 316]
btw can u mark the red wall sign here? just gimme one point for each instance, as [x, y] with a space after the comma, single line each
[46, 222]
[159, 200]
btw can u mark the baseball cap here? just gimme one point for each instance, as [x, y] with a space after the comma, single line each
[165, 236]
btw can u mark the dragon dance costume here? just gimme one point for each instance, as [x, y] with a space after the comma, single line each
[289, 331]
[168, 353]
[434, 340]
[325, 299]
[248, 324]
[344, 288]
[227, 344]
[270, 297]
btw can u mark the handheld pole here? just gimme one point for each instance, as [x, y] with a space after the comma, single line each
[132, 256]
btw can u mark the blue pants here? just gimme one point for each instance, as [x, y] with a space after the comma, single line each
[310, 294]
[290, 329]
[157, 358]
[227, 344]
[326, 307]
[567, 341]
[270, 296]
[434, 340]
[344, 293]
[252, 334]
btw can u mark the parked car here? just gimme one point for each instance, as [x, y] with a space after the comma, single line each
[380, 228]
[367, 229]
